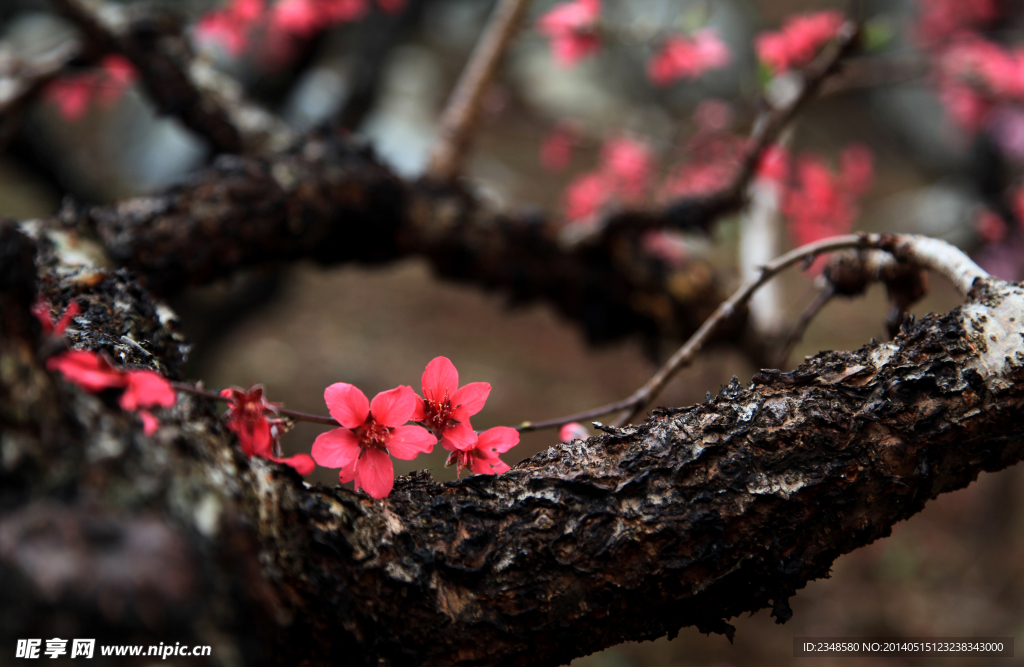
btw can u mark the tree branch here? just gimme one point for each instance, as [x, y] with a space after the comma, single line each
[691, 518]
[460, 115]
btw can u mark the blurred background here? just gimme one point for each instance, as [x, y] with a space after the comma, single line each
[956, 569]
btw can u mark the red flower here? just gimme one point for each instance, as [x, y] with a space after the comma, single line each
[572, 27]
[585, 196]
[72, 95]
[483, 458]
[688, 58]
[370, 431]
[92, 372]
[303, 18]
[257, 435]
[41, 309]
[799, 40]
[445, 408]
[822, 204]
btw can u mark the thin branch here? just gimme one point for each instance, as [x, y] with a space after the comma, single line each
[293, 414]
[810, 312]
[460, 115]
[638, 401]
[931, 254]
[701, 212]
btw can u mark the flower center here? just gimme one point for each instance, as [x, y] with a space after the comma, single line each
[374, 434]
[439, 413]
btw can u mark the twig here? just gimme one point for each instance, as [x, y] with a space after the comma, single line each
[684, 356]
[927, 253]
[294, 414]
[810, 312]
[460, 115]
[701, 212]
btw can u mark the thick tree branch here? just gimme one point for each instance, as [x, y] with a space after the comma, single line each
[333, 202]
[696, 516]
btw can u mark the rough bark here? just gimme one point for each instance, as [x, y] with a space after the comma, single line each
[691, 518]
[333, 202]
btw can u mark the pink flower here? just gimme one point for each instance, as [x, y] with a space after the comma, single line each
[628, 166]
[92, 372]
[990, 227]
[573, 431]
[72, 95]
[41, 310]
[247, 418]
[939, 20]
[683, 58]
[774, 164]
[445, 408]
[303, 18]
[572, 27]
[822, 204]
[369, 432]
[230, 27]
[483, 458]
[585, 196]
[798, 41]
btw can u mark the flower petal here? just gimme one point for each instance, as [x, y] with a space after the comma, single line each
[375, 473]
[347, 405]
[347, 473]
[261, 442]
[149, 423]
[393, 407]
[146, 389]
[470, 399]
[461, 436]
[498, 439]
[336, 448]
[481, 464]
[407, 442]
[87, 369]
[440, 379]
[302, 463]
[419, 413]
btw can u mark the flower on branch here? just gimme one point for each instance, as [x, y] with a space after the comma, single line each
[688, 58]
[230, 27]
[257, 434]
[572, 27]
[799, 40]
[41, 310]
[370, 432]
[93, 373]
[74, 94]
[483, 459]
[445, 408]
[624, 175]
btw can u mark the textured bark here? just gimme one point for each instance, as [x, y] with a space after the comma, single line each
[693, 517]
[333, 202]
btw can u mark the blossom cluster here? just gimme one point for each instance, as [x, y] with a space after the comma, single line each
[574, 29]
[232, 26]
[373, 431]
[798, 41]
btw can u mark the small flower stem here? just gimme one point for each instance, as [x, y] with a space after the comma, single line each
[293, 414]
